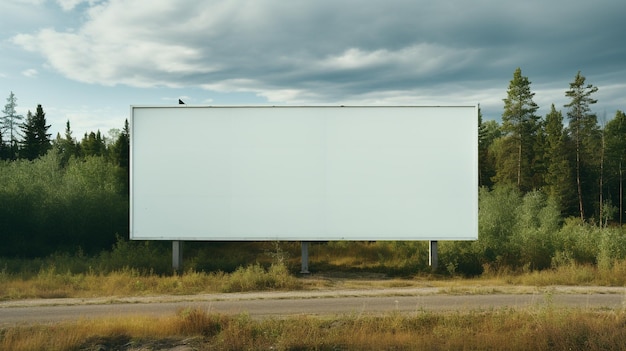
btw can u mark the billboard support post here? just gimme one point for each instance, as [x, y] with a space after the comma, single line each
[305, 257]
[177, 255]
[433, 259]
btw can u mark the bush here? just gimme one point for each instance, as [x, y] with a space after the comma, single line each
[526, 232]
[47, 208]
[538, 220]
[145, 256]
[496, 223]
[612, 247]
[460, 258]
[255, 277]
[576, 242]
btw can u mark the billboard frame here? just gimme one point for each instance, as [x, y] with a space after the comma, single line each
[138, 151]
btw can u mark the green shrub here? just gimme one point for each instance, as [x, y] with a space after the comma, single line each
[612, 247]
[538, 221]
[576, 242]
[460, 258]
[496, 223]
[145, 256]
[255, 277]
[47, 208]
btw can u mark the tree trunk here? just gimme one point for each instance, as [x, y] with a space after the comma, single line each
[578, 185]
[621, 206]
[519, 165]
[601, 181]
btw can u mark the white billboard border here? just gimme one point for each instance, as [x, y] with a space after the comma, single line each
[177, 256]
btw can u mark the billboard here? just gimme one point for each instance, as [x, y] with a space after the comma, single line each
[304, 173]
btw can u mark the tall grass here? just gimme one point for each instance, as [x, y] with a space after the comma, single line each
[393, 258]
[533, 329]
[127, 269]
[573, 274]
[51, 283]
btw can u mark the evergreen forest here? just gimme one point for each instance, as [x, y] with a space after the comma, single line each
[60, 194]
[550, 187]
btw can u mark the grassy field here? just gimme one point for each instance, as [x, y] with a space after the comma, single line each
[51, 283]
[534, 329]
[139, 269]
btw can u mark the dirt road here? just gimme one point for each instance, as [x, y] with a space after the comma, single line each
[332, 302]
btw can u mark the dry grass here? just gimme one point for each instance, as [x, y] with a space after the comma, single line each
[538, 329]
[50, 283]
[573, 274]
[341, 265]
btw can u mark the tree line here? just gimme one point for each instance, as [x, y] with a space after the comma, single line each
[579, 164]
[61, 194]
[29, 138]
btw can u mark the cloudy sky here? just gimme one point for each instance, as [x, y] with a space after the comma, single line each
[87, 61]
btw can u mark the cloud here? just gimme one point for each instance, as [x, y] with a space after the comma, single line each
[28, 2]
[327, 51]
[30, 73]
[69, 5]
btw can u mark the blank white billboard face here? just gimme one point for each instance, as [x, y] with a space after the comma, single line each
[304, 173]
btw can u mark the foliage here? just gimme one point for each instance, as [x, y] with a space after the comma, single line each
[9, 123]
[461, 258]
[130, 269]
[496, 221]
[520, 125]
[559, 183]
[396, 258]
[93, 144]
[576, 242]
[584, 131]
[48, 208]
[255, 277]
[612, 247]
[488, 131]
[36, 138]
[538, 219]
[615, 133]
[66, 147]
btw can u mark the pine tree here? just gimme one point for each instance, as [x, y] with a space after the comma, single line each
[558, 178]
[520, 125]
[615, 134]
[121, 147]
[538, 165]
[487, 133]
[584, 132]
[121, 153]
[93, 144]
[36, 139]
[4, 150]
[66, 147]
[9, 123]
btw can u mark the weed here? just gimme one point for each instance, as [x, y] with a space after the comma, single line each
[255, 277]
[532, 329]
[542, 329]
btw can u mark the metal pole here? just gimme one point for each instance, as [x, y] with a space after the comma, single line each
[177, 255]
[305, 257]
[433, 260]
